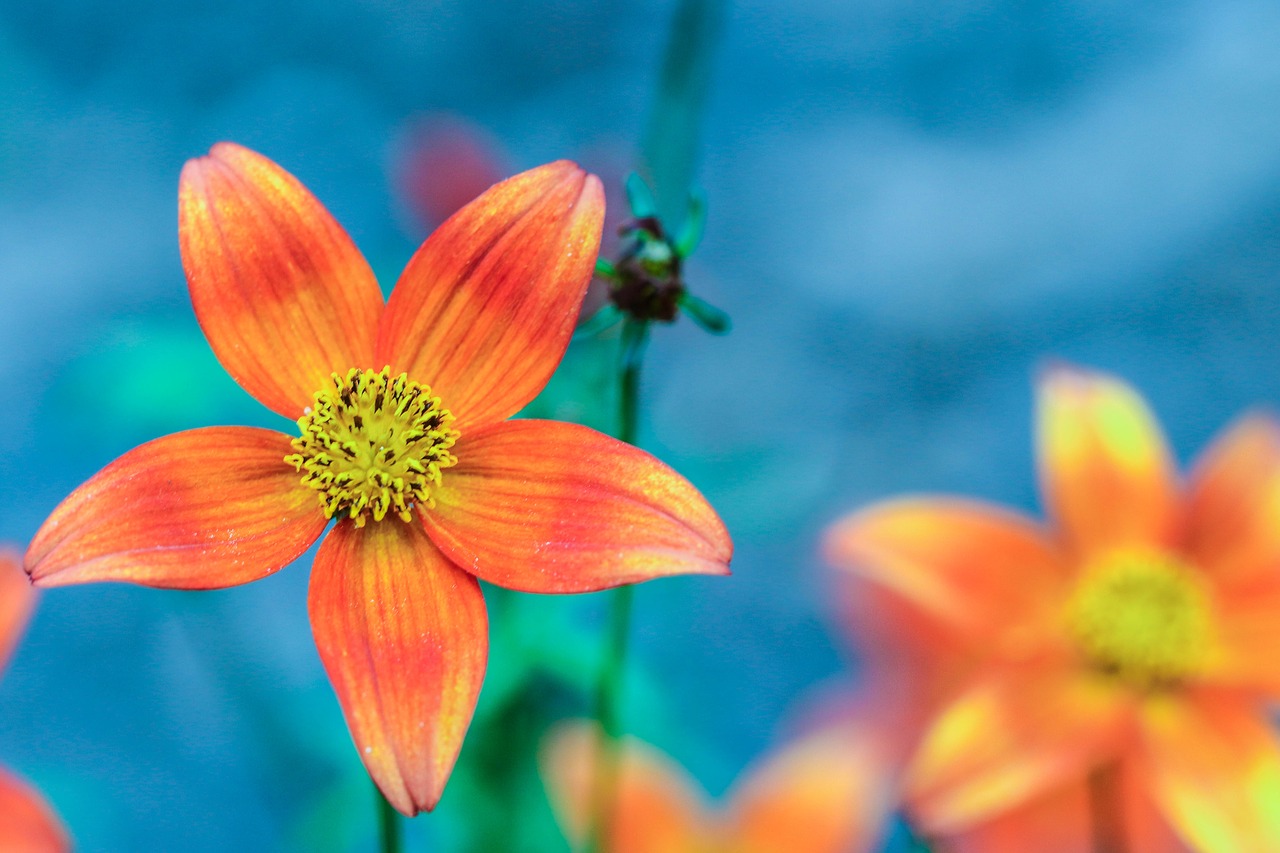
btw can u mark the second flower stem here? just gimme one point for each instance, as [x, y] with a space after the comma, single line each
[1106, 810]
[635, 337]
[609, 688]
[389, 823]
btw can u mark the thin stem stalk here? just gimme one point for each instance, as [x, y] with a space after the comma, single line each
[611, 685]
[388, 822]
[1106, 811]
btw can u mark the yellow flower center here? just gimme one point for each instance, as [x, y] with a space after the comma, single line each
[1144, 617]
[373, 443]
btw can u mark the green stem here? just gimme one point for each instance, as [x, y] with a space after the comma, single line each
[609, 692]
[612, 682]
[635, 337]
[389, 822]
[1105, 810]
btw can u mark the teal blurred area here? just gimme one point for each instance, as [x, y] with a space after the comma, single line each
[911, 208]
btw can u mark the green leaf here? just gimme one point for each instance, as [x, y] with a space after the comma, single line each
[706, 315]
[669, 154]
[606, 269]
[640, 197]
[584, 387]
[695, 222]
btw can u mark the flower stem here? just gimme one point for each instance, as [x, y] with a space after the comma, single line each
[635, 337]
[389, 823]
[612, 681]
[1106, 811]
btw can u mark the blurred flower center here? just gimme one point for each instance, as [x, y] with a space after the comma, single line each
[649, 285]
[375, 444]
[1143, 617]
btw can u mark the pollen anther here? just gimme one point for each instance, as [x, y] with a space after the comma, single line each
[1145, 618]
[374, 444]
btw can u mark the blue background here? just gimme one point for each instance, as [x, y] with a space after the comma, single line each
[912, 206]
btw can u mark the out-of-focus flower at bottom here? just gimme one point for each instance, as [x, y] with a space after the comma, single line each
[826, 792]
[1126, 650]
[27, 824]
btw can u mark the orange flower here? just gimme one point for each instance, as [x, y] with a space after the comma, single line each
[1136, 636]
[827, 792]
[404, 439]
[26, 822]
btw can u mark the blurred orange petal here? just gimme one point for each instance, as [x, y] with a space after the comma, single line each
[1016, 734]
[201, 509]
[544, 506]
[1213, 766]
[1233, 532]
[1247, 637]
[1063, 821]
[445, 162]
[974, 567]
[1057, 821]
[283, 295]
[27, 823]
[1233, 508]
[829, 792]
[1106, 473]
[17, 600]
[1146, 828]
[908, 657]
[484, 310]
[403, 635]
[658, 808]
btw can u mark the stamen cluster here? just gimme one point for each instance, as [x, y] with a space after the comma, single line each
[1142, 617]
[374, 444]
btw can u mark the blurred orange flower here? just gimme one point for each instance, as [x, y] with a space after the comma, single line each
[828, 792]
[442, 162]
[431, 485]
[1129, 647]
[27, 823]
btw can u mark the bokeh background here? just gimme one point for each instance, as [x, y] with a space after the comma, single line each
[912, 206]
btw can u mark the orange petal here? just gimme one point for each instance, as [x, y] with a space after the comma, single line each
[1214, 768]
[1233, 512]
[484, 310]
[27, 824]
[829, 792]
[1063, 821]
[544, 506]
[1247, 635]
[1106, 473]
[1146, 827]
[403, 635]
[17, 599]
[1233, 532]
[200, 509]
[283, 295]
[1057, 821]
[907, 654]
[658, 808]
[1013, 736]
[977, 569]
